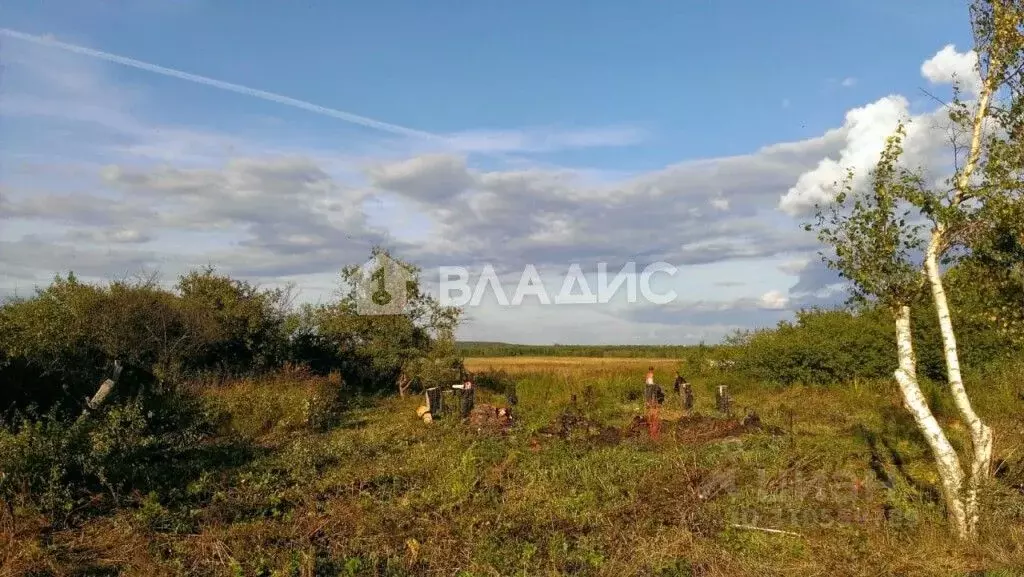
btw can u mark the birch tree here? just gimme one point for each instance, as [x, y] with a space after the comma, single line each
[874, 242]
[980, 196]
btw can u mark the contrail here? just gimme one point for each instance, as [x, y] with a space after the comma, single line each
[238, 88]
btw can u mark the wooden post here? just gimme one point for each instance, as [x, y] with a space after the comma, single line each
[435, 405]
[687, 396]
[722, 399]
[467, 398]
[651, 394]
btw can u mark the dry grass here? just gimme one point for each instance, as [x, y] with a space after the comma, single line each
[583, 366]
[380, 493]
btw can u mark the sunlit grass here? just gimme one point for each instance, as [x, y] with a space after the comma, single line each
[376, 491]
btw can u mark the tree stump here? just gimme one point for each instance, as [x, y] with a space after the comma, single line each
[722, 399]
[467, 397]
[435, 406]
[653, 395]
[687, 396]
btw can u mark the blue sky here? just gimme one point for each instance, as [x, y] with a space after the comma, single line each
[565, 132]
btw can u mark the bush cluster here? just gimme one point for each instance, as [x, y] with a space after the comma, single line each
[58, 345]
[846, 344]
[208, 331]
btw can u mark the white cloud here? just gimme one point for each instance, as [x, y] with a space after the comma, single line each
[428, 178]
[795, 267]
[864, 131]
[111, 191]
[548, 139]
[774, 300]
[848, 82]
[949, 66]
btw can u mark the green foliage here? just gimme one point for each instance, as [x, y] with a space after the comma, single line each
[821, 347]
[287, 402]
[441, 366]
[374, 351]
[871, 232]
[59, 345]
[497, 381]
[982, 314]
[241, 326]
[59, 467]
[855, 344]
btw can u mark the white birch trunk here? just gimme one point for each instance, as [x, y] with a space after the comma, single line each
[946, 459]
[981, 434]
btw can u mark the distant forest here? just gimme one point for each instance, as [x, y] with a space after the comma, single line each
[497, 349]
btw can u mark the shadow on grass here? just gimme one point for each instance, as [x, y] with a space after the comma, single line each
[898, 427]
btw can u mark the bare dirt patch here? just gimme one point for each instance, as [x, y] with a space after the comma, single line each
[690, 429]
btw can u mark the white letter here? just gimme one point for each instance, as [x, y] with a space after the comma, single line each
[645, 279]
[565, 296]
[604, 292]
[532, 282]
[491, 278]
[448, 284]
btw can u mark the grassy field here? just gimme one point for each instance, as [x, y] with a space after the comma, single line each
[583, 367]
[571, 489]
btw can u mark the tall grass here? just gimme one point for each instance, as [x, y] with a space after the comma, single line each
[369, 489]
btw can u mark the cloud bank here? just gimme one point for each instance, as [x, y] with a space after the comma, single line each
[95, 180]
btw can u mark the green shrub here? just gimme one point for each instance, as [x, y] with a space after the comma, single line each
[58, 466]
[59, 345]
[840, 346]
[821, 347]
[241, 328]
[287, 402]
[498, 381]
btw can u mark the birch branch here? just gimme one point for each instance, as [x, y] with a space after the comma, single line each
[105, 389]
[766, 530]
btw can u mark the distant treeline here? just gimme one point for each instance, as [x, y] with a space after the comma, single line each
[836, 346]
[496, 349]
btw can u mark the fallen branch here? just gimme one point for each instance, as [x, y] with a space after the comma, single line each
[105, 389]
[766, 530]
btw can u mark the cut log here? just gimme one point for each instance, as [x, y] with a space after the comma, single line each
[422, 410]
[428, 418]
[105, 389]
